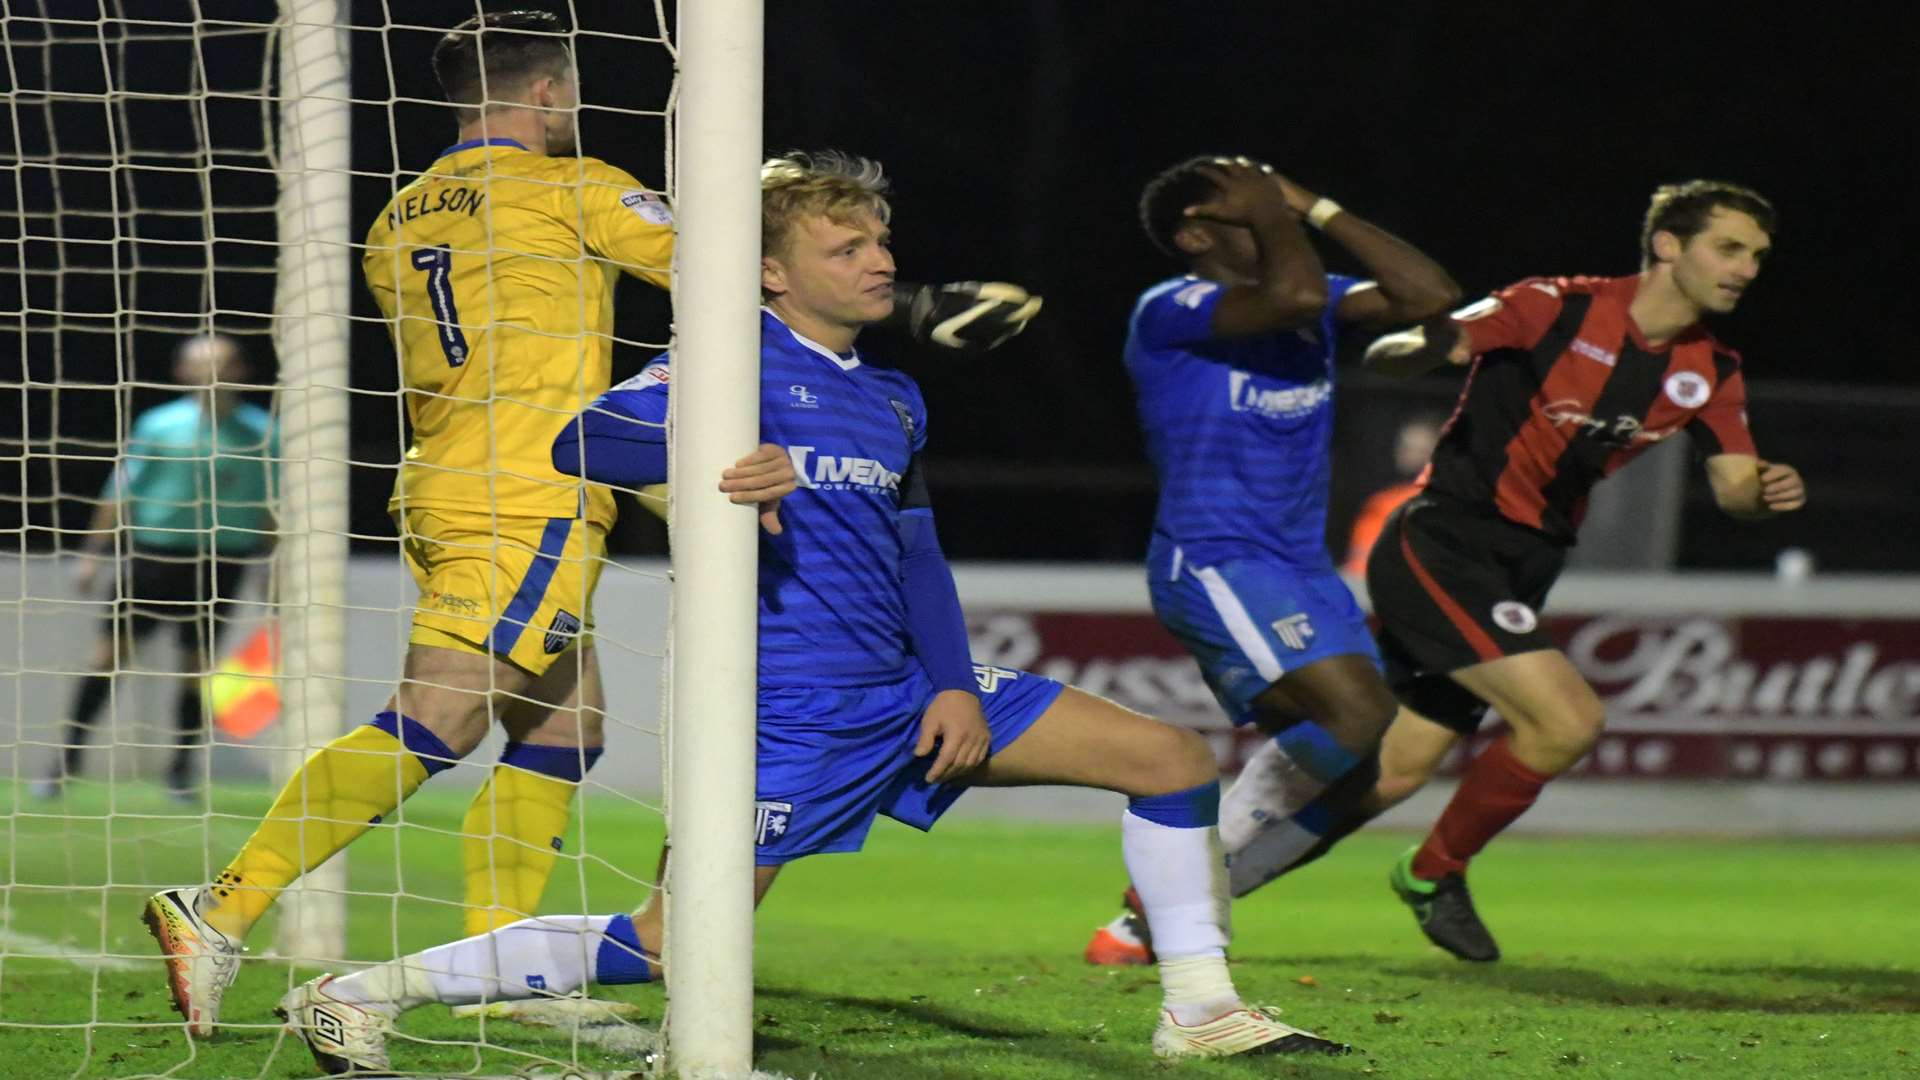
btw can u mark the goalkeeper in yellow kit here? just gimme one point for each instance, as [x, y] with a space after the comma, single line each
[495, 270]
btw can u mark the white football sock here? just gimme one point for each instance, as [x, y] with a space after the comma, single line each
[1197, 988]
[1268, 791]
[1270, 853]
[550, 955]
[1181, 876]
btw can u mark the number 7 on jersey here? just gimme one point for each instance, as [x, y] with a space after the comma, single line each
[438, 263]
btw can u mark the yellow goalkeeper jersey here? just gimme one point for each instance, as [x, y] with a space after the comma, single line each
[495, 270]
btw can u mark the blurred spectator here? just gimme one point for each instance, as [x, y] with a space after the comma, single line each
[1411, 449]
[193, 490]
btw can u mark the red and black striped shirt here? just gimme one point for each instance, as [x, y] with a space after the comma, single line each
[1565, 390]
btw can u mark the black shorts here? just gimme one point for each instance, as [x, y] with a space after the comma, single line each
[1453, 587]
[192, 593]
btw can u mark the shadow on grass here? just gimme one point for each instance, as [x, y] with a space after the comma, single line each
[1879, 990]
[844, 1045]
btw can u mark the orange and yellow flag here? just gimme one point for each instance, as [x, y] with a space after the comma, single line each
[242, 692]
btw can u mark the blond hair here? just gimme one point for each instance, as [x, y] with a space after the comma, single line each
[827, 183]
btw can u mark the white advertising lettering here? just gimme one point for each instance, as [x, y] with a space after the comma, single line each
[1245, 395]
[1690, 667]
[830, 472]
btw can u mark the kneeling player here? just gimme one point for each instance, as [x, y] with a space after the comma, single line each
[869, 700]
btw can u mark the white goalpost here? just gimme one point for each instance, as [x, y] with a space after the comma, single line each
[311, 338]
[711, 725]
[188, 167]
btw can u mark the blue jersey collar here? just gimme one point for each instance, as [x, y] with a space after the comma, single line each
[471, 143]
[847, 363]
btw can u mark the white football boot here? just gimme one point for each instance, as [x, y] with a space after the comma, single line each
[344, 1037]
[201, 961]
[1250, 1030]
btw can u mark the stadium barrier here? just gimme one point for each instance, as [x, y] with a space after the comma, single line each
[1738, 704]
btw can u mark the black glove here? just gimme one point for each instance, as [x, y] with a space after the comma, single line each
[966, 316]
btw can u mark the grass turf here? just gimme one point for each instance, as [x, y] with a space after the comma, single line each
[957, 955]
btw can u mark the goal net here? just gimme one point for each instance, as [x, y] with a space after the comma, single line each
[192, 603]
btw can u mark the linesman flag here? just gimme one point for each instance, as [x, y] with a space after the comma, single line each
[242, 692]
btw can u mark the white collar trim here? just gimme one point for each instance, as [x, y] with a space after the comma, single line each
[845, 364]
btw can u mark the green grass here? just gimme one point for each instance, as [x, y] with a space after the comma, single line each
[957, 955]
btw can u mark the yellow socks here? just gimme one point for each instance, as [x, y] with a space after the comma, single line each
[344, 789]
[514, 831]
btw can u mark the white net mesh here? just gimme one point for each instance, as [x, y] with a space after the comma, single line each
[146, 198]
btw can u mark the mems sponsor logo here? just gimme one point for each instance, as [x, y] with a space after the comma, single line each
[1246, 394]
[829, 472]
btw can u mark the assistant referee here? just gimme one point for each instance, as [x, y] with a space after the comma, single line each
[193, 489]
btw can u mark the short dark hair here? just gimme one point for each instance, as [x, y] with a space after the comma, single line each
[516, 47]
[1684, 210]
[1164, 201]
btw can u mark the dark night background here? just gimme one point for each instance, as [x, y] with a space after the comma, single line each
[1506, 140]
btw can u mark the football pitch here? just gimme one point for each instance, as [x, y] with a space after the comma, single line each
[958, 955]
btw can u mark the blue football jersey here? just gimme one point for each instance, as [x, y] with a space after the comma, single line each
[1239, 429]
[833, 611]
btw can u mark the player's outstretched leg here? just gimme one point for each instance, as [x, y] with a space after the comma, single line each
[345, 1021]
[345, 1037]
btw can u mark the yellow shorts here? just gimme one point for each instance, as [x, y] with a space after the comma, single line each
[520, 588]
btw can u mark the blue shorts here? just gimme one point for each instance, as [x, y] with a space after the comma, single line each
[831, 758]
[1248, 621]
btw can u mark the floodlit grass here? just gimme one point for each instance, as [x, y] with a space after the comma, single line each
[958, 955]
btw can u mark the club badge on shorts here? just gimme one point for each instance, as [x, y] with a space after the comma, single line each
[561, 632]
[1515, 617]
[770, 821]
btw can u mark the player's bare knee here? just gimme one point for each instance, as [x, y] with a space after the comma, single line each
[1360, 721]
[1558, 739]
[1397, 783]
[1184, 760]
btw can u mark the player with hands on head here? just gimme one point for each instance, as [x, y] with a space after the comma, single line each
[869, 700]
[1233, 362]
[1569, 379]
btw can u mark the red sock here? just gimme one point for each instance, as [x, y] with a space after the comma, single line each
[1495, 789]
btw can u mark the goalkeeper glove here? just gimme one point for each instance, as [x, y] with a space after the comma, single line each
[966, 316]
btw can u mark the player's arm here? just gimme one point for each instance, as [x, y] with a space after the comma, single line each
[1516, 317]
[620, 440]
[1439, 340]
[626, 224]
[1291, 288]
[938, 629]
[100, 530]
[1407, 285]
[136, 456]
[1746, 487]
